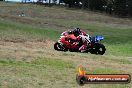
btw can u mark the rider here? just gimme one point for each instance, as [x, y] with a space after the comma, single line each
[81, 37]
[76, 32]
[85, 43]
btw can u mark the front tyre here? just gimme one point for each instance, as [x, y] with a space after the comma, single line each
[100, 49]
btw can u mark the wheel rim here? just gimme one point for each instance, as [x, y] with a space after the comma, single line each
[60, 47]
[101, 51]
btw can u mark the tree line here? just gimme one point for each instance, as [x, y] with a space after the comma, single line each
[113, 7]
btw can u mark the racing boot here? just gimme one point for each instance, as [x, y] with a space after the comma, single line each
[83, 48]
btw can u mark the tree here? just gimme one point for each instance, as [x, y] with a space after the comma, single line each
[120, 7]
[70, 3]
[96, 4]
[84, 4]
[129, 7]
[109, 6]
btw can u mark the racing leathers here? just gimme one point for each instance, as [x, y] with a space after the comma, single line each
[85, 40]
[65, 33]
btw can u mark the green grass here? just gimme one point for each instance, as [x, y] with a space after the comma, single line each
[37, 73]
[12, 30]
[57, 63]
[43, 72]
[120, 49]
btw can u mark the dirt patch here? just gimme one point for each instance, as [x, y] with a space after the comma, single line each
[24, 20]
[26, 50]
[28, 44]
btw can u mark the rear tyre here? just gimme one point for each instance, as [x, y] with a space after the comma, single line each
[60, 47]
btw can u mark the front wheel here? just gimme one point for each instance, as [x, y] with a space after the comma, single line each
[98, 48]
[101, 49]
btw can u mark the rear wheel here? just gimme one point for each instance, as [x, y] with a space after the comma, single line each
[60, 47]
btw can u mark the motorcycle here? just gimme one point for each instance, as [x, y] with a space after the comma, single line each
[69, 45]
